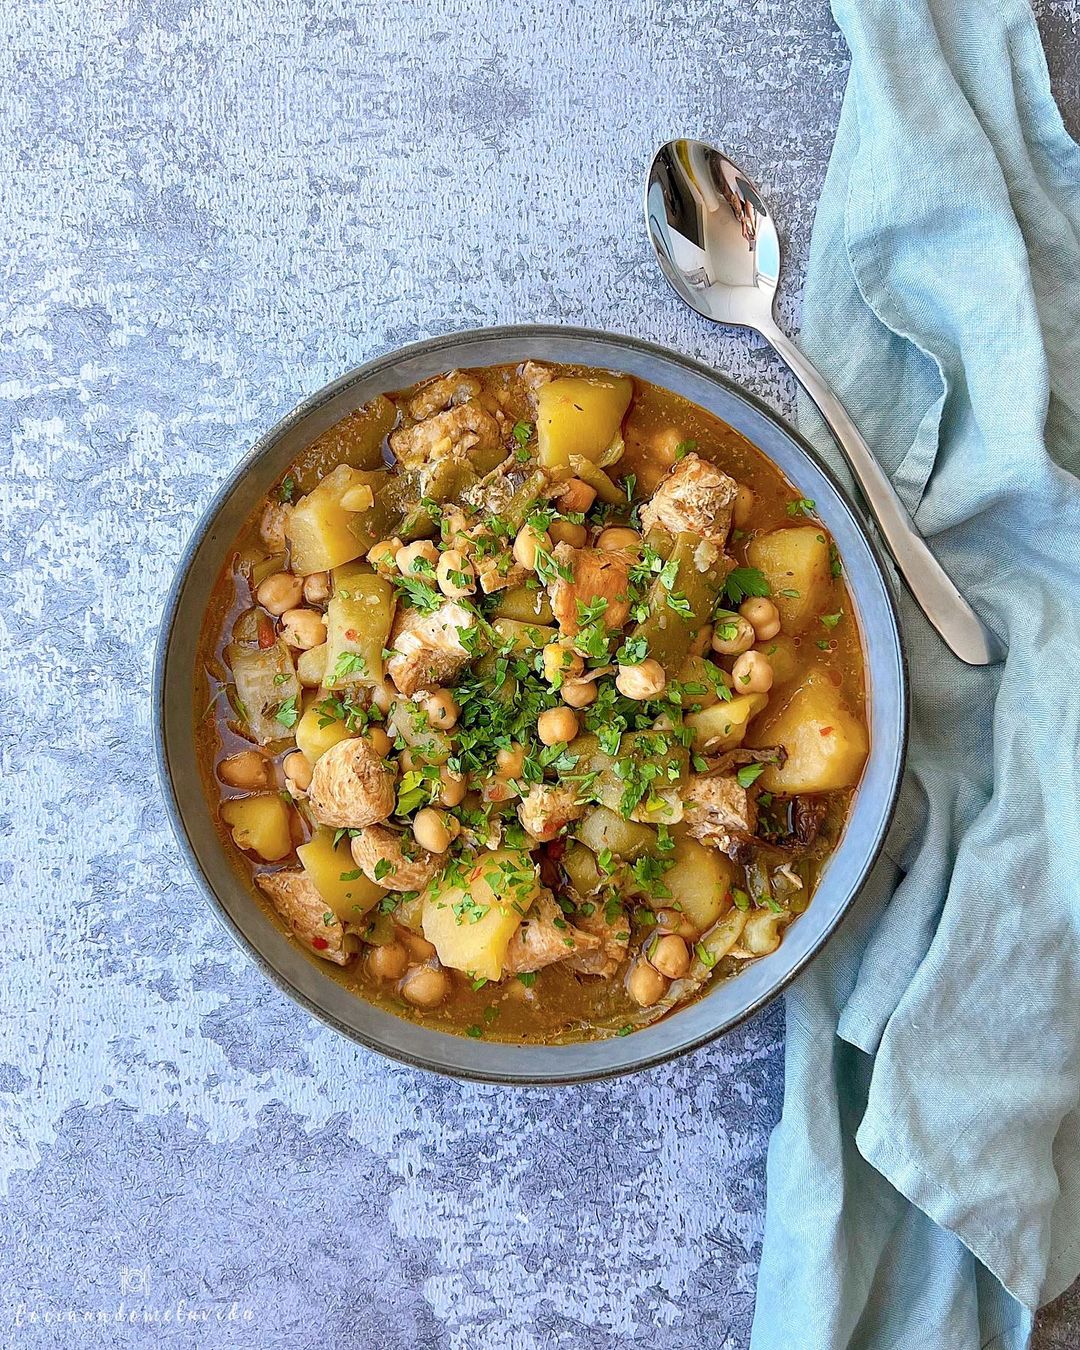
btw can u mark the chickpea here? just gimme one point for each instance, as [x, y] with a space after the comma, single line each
[669, 955]
[561, 663]
[455, 574]
[742, 506]
[382, 696]
[248, 769]
[529, 542]
[578, 693]
[297, 770]
[425, 986]
[303, 628]
[359, 498]
[441, 708]
[382, 555]
[566, 532]
[762, 615]
[407, 761]
[280, 592]
[429, 830]
[510, 763]
[702, 640]
[642, 681]
[576, 496]
[452, 788]
[675, 921]
[645, 985]
[380, 741]
[752, 673]
[616, 537]
[556, 726]
[388, 962]
[733, 635]
[417, 560]
[317, 588]
[418, 947]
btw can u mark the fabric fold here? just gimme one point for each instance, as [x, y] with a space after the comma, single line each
[924, 1180]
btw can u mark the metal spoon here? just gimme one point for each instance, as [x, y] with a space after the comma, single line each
[718, 247]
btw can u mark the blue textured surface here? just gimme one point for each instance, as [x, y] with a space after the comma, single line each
[209, 211]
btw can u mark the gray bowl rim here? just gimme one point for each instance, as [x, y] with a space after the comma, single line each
[512, 1064]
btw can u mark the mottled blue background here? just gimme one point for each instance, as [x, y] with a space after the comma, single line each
[208, 211]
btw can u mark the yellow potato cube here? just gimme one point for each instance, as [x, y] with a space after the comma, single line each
[324, 533]
[826, 745]
[318, 730]
[579, 415]
[724, 725]
[797, 567]
[259, 824]
[471, 923]
[699, 880]
[337, 878]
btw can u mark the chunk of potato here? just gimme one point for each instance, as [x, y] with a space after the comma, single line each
[259, 824]
[323, 533]
[700, 881]
[318, 730]
[358, 620]
[724, 725]
[826, 745]
[311, 666]
[579, 415]
[523, 605]
[338, 880]
[796, 565]
[604, 829]
[783, 653]
[471, 924]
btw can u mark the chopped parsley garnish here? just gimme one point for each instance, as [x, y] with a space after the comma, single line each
[744, 582]
[685, 448]
[383, 868]
[348, 663]
[523, 433]
[418, 594]
[287, 491]
[749, 774]
[831, 620]
[803, 506]
[288, 714]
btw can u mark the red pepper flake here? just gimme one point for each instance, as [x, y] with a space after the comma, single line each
[826, 731]
[266, 631]
[557, 848]
[350, 633]
[320, 944]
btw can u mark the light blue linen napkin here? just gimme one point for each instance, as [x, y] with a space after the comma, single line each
[924, 1181]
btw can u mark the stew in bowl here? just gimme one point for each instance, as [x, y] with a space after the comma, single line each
[532, 701]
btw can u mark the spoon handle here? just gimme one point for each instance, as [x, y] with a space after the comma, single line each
[955, 620]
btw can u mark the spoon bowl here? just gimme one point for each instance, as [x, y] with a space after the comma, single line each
[716, 242]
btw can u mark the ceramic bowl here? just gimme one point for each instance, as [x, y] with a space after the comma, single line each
[727, 1003]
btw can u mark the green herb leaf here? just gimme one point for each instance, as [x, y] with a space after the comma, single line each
[288, 714]
[743, 582]
[804, 506]
[749, 774]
